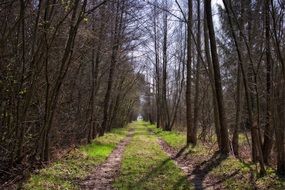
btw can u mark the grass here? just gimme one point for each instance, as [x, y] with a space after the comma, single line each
[148, 167]
[173, 138]
[177, 140]
[240, 175]
[75, 166]
[234, 173]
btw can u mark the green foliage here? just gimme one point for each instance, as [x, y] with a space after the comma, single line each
[75, 166]
[148, 167]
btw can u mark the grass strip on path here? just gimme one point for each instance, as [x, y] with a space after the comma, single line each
[67, 172]
[146, 166]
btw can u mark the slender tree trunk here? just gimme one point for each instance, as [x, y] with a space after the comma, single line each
[235, 139]
[279, 98]
[165, 113]
[65, 63]
[256, 144]
[95, 58]
[211, 77]
[113, 62]
[279, 123]
[157, 70]
[269, 130]
[188, 75]
[197, 79]
[225, 149]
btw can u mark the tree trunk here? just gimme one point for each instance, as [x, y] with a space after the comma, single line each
[188, 75]
[235, 139]
[279, 97]
[269, 130]
[225, 149]
[256, 144]
[165, 112]
[197, 79]
[211, 77]
[113, 62]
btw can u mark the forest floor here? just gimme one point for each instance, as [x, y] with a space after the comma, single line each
[141, 156]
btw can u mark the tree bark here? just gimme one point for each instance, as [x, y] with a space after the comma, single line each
[165, 112]
[269, 130]
[225, 149]
[256, 144]
[197, 79]
[211, 77]
[188, 75]
[113, 62]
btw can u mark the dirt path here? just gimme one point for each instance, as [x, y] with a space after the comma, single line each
[196, 168]
[104, 174]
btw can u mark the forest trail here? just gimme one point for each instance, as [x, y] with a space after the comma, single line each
[77, 75]
[142, 156]
[103, 175]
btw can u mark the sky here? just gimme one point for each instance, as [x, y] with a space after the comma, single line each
[215, 15]
[216, 21]
[220, 2]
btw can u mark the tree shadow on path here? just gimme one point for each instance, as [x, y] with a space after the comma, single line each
[201, 171]
[159, 170]
[154, 171]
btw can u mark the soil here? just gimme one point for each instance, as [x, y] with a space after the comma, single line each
[104, 175]
[195, 168]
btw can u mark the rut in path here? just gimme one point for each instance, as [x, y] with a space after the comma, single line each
[196, 169]
[103, 175]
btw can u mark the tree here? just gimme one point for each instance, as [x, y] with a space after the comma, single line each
[188, 75]
[224, 149]
[269, 131]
